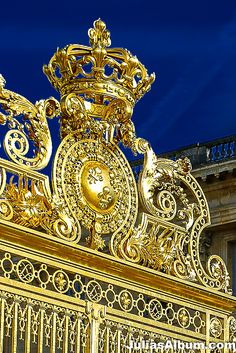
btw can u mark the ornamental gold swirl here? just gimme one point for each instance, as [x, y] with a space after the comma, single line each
[2, 180]
[168, 236]
[34, 128]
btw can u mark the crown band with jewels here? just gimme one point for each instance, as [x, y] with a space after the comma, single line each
[97, 73]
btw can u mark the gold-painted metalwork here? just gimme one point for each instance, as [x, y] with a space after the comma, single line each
[93, 184]
[35, 126]
[94, 181]
[57, 292]
[175, 214]
[109, 81]
[27, 200]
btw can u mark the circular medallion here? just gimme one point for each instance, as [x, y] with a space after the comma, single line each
[94, 291]
[60, 281]
[183, 317]
[96, 184]
[25, 271]
[126, 300]
[215, 327]
[155, 309]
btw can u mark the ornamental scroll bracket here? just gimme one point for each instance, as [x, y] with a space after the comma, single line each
[94, 199]
[34, 127]
[175, 213]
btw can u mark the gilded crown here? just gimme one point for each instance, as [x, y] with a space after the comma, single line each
[98, 74]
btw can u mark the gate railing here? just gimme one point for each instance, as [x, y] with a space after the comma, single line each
[48, 306]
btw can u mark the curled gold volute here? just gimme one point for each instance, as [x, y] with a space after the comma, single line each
[34, 128]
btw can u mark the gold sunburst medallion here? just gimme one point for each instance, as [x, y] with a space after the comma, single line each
[95, 183]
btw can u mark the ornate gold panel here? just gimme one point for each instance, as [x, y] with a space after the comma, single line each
[96, 185]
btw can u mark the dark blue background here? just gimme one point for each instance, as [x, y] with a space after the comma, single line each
[191, 45]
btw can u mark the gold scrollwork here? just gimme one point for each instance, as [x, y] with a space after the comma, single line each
[158, 245]
[65, 228]
[6, 210]
[3, 179]
[35, 128]
[168, 236]
[158, 184]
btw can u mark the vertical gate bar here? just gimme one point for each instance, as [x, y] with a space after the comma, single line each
[118, 340]
[2, 320]
[208, 317]
[28, 328]
[96, 314]
[94, 329]
[78, 329]
[107, 337]
[40, 330]
[15, 325]
[226, 333]
[66, 340]
[53, 332]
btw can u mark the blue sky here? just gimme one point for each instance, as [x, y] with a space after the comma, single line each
[190, 45]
